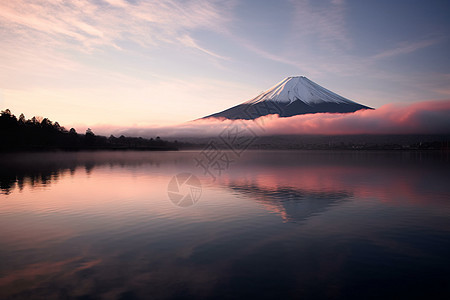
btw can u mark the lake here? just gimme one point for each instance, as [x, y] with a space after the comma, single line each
[267, 225]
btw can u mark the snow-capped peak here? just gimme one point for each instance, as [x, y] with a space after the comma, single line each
[300, 88]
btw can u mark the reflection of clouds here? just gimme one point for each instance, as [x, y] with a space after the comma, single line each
[64, 275]
[397, 178]
[34, 270]
[109, 270]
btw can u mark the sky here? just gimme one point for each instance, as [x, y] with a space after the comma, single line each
[133, 63]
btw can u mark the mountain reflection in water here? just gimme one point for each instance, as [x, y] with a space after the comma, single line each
[280, 224]
[292, 204]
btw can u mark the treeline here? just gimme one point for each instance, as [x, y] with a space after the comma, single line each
[40, 133]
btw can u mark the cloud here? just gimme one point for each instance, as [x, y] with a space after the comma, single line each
[190, 42]
[95, 24]
[407, 47]
[426, 117]
[326, 23]
[313, 25]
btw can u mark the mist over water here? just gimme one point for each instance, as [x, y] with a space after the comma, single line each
[275, 224]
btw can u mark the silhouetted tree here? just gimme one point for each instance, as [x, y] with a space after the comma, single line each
[42, 133]
[89, 137]
[90, 132]
[6, 112]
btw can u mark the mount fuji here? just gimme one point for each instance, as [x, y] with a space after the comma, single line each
[296, 95]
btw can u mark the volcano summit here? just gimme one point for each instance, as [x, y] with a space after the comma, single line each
[295, 95]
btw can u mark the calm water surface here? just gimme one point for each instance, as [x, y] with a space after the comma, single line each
[275, 225]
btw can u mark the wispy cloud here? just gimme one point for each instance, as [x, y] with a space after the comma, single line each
[324, 23]
[319, 26]
[407, 47]
[93, 24]
[188, 41]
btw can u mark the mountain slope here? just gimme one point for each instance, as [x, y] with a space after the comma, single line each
[295, 95]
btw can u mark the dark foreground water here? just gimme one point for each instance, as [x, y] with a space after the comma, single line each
[275, 225]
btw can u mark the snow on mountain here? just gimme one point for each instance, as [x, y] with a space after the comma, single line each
[294, 95]
[296, 88]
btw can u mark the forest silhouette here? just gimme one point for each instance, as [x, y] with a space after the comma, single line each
[38, 133]
[42, 134]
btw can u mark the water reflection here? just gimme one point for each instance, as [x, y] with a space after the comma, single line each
[412, 178]
[292, 204]
[40, 169]
[277, 225]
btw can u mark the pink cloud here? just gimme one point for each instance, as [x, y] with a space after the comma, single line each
[427, 117]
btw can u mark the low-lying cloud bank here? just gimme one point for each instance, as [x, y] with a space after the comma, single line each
[427, 117]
